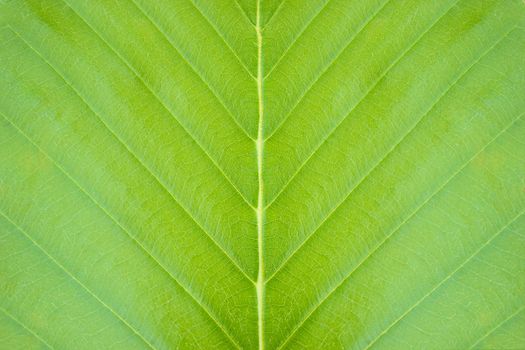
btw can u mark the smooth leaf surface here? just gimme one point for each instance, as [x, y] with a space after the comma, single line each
[262, 174]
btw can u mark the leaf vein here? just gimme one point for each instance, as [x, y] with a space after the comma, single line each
[499, 325]
[222, 38]
[326, 68]
[363, 98]
[437, 286]
[199, 302]
[396, 229]
[162, 104]
[277, 10]
[305, 27]
[158, 180]
[244, 13]
[21, 324]
[193, 68]
[392, 148]
[122, 319]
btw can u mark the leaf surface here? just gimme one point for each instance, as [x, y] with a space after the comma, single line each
[262, 174]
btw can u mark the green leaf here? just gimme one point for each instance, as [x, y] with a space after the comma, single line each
[262, 174]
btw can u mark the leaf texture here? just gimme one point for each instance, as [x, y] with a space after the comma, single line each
[262, 174]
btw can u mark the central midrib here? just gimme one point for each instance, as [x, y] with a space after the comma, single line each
[260, 284]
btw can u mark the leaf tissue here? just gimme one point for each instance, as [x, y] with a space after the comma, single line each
[262, 174]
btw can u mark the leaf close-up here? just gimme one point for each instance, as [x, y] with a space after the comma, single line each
[262, 174]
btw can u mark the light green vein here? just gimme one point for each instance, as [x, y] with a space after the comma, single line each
[437, 286]
[243, 11]
[301, 31]
[192, 67]
[275, 12]
[390, 151]
[26, 328]
[158, 180]
[396, 229]
[154, 94]
[499, 325]
[363, 98]
[122, 319]
[199, 302]
[368, 20]
[223, 39]
[261, 284]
